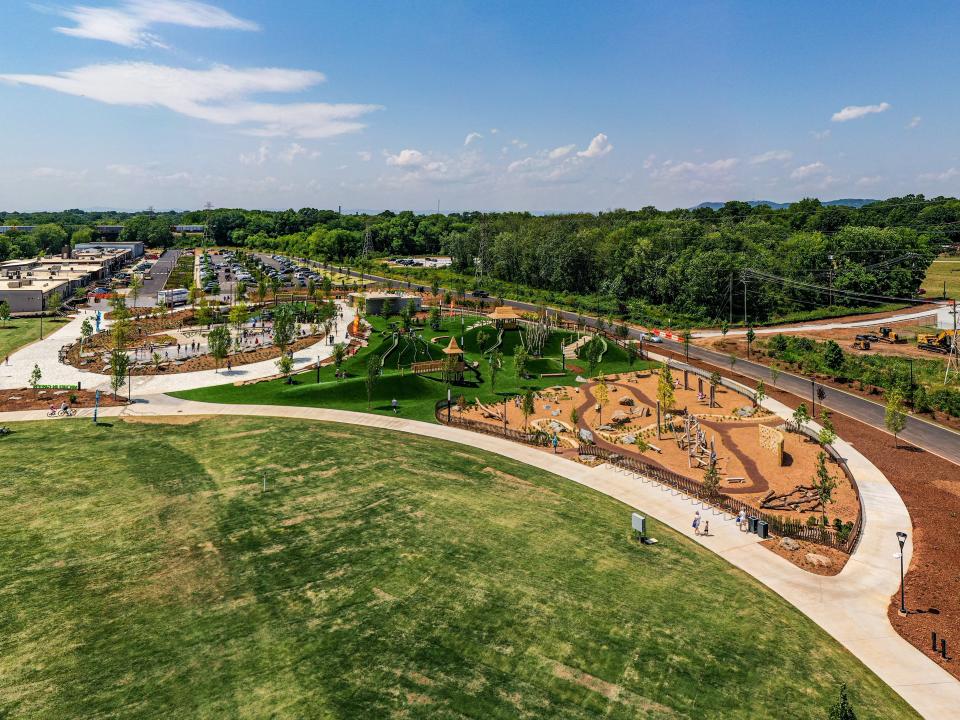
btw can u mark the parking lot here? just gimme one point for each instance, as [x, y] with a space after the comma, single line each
[156, 277]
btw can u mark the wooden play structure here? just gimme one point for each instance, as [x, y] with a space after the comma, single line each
[504, 317]
[452, 363]
[772, 439]
[694, 440]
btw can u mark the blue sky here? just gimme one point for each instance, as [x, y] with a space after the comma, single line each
[494, 105]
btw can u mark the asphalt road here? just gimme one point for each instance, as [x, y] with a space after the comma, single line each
[934, 438]
[158, 277]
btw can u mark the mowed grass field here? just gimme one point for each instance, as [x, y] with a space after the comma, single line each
[943, 270]
[144, 573]
[17, 333]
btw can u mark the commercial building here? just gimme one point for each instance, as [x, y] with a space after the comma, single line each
[135, 248]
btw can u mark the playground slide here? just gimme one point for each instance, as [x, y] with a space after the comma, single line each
[383, 358]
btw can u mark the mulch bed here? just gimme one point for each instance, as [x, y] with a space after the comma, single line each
[29, 399]
[930, 488]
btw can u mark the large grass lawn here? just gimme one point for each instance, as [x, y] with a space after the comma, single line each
[145, 574]
[417, 395]
[17, 333]
[944, 269]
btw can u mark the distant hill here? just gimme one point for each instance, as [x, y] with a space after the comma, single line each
[847, 202]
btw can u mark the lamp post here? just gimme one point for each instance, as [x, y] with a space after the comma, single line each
[902, 539]
[318, 369]
[813, 397]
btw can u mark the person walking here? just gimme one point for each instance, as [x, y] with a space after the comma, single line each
[393, 404]
[696, 523]
[706, 527]
[741, 519]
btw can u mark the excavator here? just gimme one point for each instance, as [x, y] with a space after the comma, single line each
[887, 335]
[862, 342]
[941, 342]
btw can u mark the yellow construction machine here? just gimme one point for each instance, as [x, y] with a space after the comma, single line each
[940, 342]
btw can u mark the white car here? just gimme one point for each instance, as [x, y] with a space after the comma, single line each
[650, 337]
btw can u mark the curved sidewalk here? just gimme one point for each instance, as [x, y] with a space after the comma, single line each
[45, 352]
[851, 606]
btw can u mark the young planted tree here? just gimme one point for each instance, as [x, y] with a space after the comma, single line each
[339, 355]
[435, 286]
[711, 480]
[284, 327]
[665, 389]
[262, 288]
[285, 366]
[602, 395]
[86, 330]
[520, 360]
[196, 293]
[751, 336]
[536, 336]
[724, 328]
[54, 301]
[435, 318]
[842, 709]
[895, 415]
[527, 407]
[732, 359]
[326, 285]
[119, 363]
[35, 376]
[4, 312]
[760, 394]
[373, 372]
[592, 351]
[824, 484]
[774, 374]
[204, 314]
[239, 314]
[218, 342]
[496, 365]
[631, 353]
[136, 285]
[827, 433]
[156, 359]
[801, 416]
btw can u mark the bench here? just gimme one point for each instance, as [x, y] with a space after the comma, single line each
[736, 479]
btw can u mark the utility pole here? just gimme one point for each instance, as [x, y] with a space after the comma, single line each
[730, 288]
[744, 279]
[953, 364]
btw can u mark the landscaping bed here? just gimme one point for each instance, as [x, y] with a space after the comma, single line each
[30, 399]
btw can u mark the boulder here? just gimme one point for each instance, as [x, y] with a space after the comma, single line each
[819, 560]
[627, 400]
[789, 543]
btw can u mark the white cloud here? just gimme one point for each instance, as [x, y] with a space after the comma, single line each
[219, 95]
[519, 144]
[854, 112]
[128, 23]
[258, 157]
[365, 155]
[649, 162]
[598, 146]
[471, 137]
[289, 154]
[868, 180]
[125, 170]
[822, 135]
[59, 173]
[914, 122]
[947, 174]
[407, 158]
[669, 170]
[420, 166]
[806, 171]
[561, 151]
[494, 131]
[771, 156]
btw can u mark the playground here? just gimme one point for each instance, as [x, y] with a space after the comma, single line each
[757, 457]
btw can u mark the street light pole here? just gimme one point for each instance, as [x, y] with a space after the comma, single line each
[813, 398]
[902, 539]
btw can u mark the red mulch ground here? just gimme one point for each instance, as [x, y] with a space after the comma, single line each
[29, 399]
[930, 488]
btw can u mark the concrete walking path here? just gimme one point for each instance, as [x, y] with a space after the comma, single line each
[851, 606]
[45, 353]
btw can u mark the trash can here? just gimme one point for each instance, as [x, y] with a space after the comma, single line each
[763, 529]
[751, 524]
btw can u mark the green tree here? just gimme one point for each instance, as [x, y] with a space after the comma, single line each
[824, 484]
[496, 365]
[435, 286]
[204, 315]
[4, 312]
[239, 314]
[119, 362]
[801, 416]
[86, 330]
[833, 356]
[520, 360]
[527, 407]
[35, 376]
[760, 394]
[136, 285]
[262, 288]
[774, 374]
[49, 237]
[602, 395]
[827, 433]
[711, 480]
[895, 416]
[751, 336]
[842, 709]
[54, 301]
[339, 355]
[284, 327]
[285, 366]
[218, 342]
[665, 390]
[724, 328]
[373, 373]
[435, 318]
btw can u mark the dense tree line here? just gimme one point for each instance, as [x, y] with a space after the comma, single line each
[702, 263]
